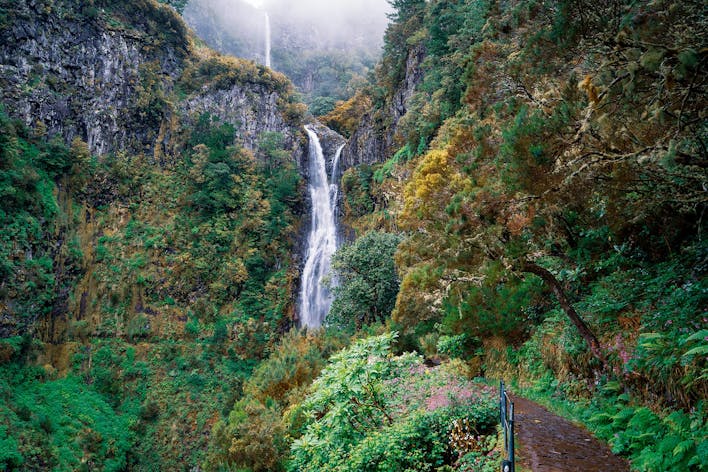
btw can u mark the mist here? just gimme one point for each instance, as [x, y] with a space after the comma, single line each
[326, 47]
[337, 22]
[236, 26]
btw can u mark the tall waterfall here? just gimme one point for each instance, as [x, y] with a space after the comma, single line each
[315, 298]
[267, 40]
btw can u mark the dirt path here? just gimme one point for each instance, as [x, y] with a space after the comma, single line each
[548, 443]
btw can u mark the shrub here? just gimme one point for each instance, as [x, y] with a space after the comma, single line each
[369, 410]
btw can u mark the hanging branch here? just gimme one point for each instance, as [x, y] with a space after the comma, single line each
[567, 307]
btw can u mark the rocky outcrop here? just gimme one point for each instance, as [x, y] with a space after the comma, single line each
[78, 77]
[253, 109]
[85, 74]
[330, 141]
[374, 140]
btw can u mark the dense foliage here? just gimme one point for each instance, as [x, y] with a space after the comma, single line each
[151, 349]
[59, 424]
[108, 264]
[369, 410]
[552, 203]
[366, 281]
[36, 173]
[257, 432]
[542, 221]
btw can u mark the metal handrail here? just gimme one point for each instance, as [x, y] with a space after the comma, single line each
[506, 410]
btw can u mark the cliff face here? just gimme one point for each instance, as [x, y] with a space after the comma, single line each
[253, 108]
[97, 75]
[126, 81]
[79, 76]
[375, 139]
[150, 199]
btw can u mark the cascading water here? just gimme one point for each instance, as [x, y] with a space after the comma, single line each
[333, 187]
[315, 298]
[267, 40]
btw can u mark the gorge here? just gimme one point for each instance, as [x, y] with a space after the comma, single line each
[198, 274]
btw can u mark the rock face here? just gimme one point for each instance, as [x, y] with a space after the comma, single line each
[91, 76]
[78, 78]
[128, 81]
[330, 141]
[375, 138]
[253, 109]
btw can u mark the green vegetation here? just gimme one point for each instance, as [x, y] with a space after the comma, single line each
[367, 282]
[369, 410]
[60, 424]
[541, 222]
[162, 24]
[144, 352]
[33, 269]
[108, 274]
[176, 4]
[257, 432]
[552, 209]
[333, 76]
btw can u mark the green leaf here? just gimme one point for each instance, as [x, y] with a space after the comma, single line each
[683, 447]
[697, 351]
[698, 336]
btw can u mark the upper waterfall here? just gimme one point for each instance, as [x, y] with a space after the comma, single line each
[267, 40]
[315, 298]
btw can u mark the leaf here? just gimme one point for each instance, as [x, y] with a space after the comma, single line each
[650, 337]
[696, 351]
[683, 447]
[699, 335]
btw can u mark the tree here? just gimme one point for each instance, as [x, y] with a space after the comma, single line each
[404, 9]
[368, 281]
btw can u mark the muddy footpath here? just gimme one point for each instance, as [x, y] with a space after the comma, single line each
[548, 443]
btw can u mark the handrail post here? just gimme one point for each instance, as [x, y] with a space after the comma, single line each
[502, 403]
[507, 422]
[511, 438]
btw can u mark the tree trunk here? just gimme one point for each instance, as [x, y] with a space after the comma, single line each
[580, 325]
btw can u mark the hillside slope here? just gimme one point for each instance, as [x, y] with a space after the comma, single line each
[549, 175]
[150, 191]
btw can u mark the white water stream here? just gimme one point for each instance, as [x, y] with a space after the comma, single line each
[267, 40]
[315, 298]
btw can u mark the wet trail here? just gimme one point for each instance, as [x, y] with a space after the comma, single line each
[548, 443]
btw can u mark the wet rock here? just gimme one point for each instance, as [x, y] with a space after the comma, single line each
[373, 141]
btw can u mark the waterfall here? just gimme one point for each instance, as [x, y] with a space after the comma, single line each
[333, 187]
[267, 40]
[315, 298]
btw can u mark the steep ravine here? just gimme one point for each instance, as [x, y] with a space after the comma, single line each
[164, 236]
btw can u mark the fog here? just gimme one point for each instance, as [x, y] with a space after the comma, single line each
[319, 24]
[326, 47]
[337, 21]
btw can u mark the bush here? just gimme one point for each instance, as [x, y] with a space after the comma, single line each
[367, 281]
[369, 410]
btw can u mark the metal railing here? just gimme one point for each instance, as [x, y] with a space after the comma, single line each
[506, 409]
